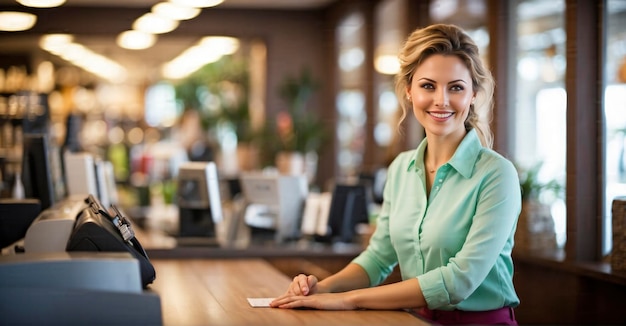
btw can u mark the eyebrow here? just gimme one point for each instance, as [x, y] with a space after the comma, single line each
[452, 82]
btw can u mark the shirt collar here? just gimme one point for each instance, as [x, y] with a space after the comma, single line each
[464, 157]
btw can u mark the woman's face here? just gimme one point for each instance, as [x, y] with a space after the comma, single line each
[441, 93]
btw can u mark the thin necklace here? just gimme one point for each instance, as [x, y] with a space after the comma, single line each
[430, 170]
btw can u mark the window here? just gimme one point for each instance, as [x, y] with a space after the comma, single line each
[614, 113]
[350, 99]
[389, 35]
[161, 109]
[541, 106]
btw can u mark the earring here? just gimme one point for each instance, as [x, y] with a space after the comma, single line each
[408, 97]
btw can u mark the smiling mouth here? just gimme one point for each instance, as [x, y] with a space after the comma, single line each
[440, 115]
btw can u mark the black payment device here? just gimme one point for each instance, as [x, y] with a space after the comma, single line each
[97, 229]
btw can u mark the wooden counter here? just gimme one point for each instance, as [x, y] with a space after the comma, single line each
[215, 292]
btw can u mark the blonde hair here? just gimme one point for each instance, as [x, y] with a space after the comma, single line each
[448, 39]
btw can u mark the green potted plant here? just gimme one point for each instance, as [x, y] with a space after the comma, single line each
[532, 188]
[297, 133]
[307, 132]
[219, 91]
[535, 227]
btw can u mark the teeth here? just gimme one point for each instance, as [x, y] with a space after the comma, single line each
[441, 115]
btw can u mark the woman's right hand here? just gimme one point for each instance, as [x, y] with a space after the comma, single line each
[303, 285]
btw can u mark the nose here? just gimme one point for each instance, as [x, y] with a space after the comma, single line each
[441, 98]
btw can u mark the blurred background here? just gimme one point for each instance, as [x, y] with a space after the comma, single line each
[307, 86]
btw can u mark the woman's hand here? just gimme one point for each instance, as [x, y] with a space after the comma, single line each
[302, 285]
[304, 292]
[322, 301]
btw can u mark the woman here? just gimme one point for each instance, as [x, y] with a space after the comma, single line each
[450, 207]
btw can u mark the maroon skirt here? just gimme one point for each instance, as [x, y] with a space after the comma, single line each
[502, 316]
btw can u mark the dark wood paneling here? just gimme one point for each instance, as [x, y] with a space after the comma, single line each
[584, 126]
[552, 296]
[501, 23]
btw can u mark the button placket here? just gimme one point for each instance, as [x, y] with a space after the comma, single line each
[439, 177]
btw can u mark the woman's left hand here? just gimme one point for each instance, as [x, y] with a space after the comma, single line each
[322, 301]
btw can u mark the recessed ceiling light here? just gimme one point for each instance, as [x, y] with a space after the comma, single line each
[41, 3]
[154, 24]
[55, 43]
[225, 45]
[13, 21]
[63, 46]
[175, 11]
[208, 49]
[198, 3]
[135, 40]
[58, 38]
[387, 64]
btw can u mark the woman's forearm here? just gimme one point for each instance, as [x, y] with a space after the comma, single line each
[349, 278]
[400, 295]
[350, 289]
[353, 280]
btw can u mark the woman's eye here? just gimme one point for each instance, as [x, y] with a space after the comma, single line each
[457, 88]
[428, 86]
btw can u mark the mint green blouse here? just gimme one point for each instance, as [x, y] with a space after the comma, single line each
[457, 241]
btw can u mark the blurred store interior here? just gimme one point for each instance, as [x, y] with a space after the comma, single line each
[304, 88]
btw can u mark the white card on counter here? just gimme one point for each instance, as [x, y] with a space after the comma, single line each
[260, 302]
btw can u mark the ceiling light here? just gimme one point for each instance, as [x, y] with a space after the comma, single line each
[387, 64]
[74, 52]
[41, 3]
[57, 38]
[136, 40]
[62, 45]
[224, 45]
[188, 62]
[209, 49]
[54, 43]
[175, 11]
[198, 3]
[154, 24]
[13, 21]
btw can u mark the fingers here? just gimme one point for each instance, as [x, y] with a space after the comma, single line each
[290, 302]
[325, 301]
[278, 301]
[302, 284]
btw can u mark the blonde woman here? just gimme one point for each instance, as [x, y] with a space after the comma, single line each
[450, 206]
